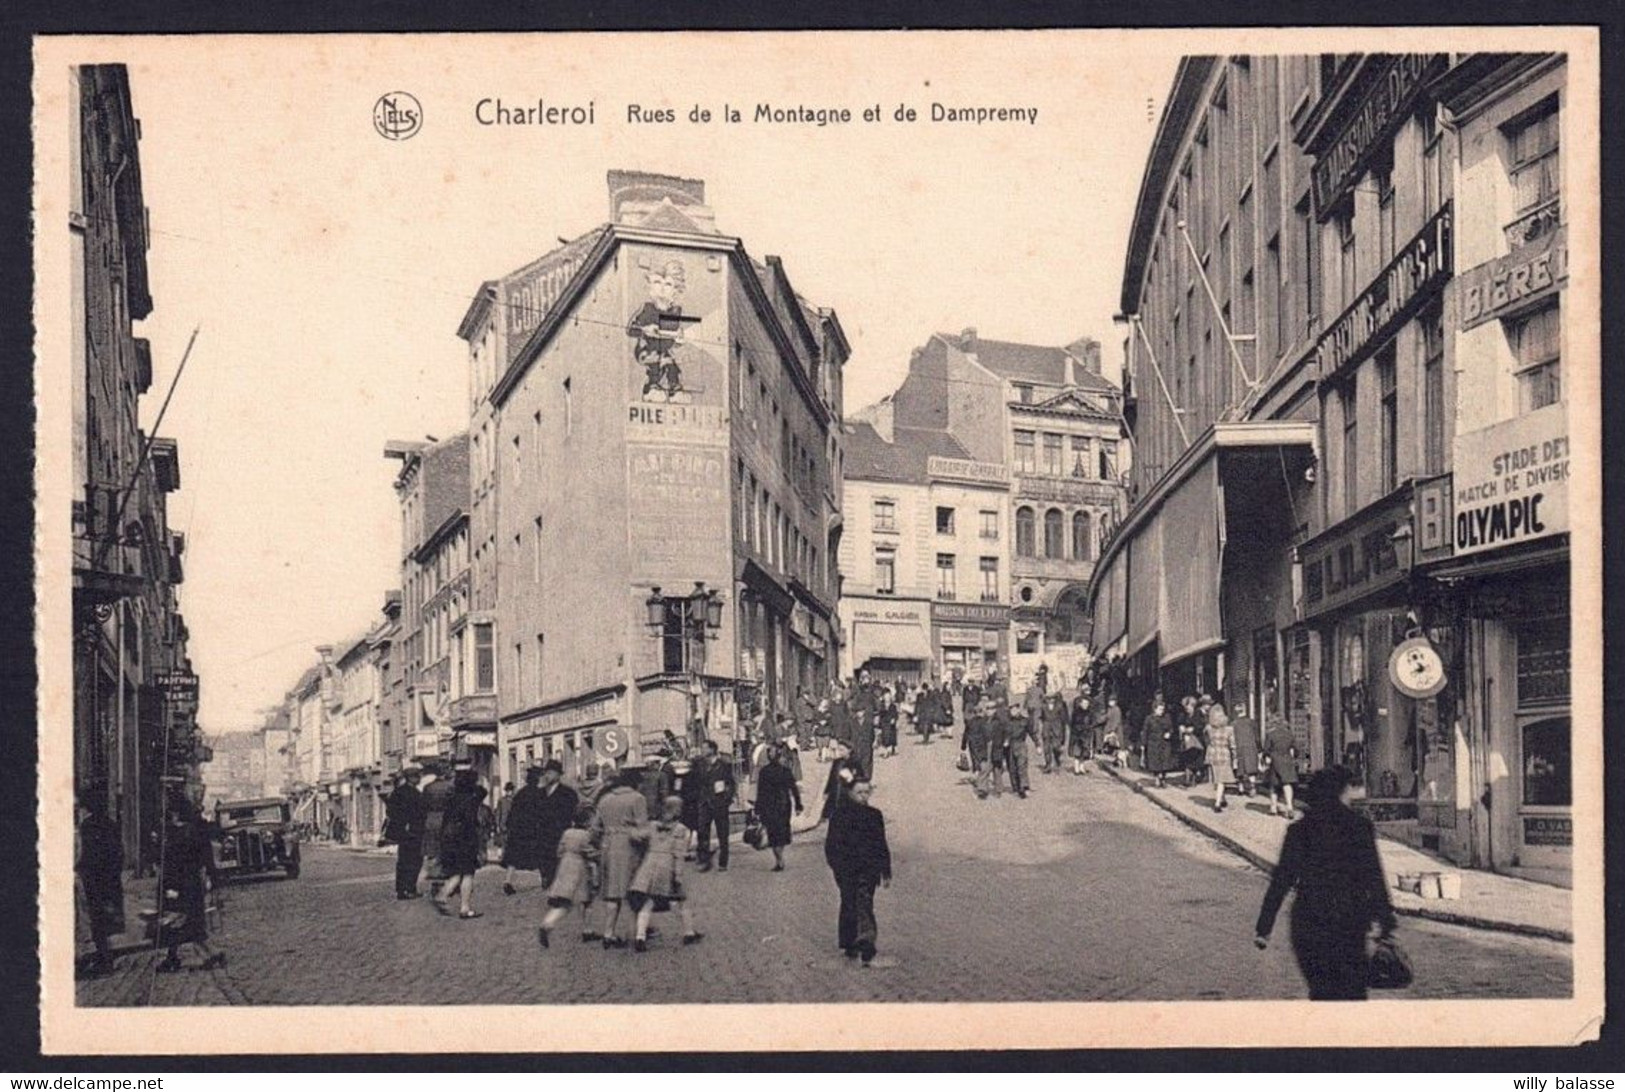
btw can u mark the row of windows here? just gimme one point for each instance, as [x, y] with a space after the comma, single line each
[1056, 455]
[770, 531]
[885, 575]
[757, 405]
[1086, 534]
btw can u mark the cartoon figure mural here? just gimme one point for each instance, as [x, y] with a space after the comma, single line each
[657, 330]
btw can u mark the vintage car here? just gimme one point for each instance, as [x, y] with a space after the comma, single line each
[256, 836]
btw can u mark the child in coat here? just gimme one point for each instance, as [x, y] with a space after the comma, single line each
[573, 883]
[658, 884]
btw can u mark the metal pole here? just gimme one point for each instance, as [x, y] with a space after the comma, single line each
[1218, 313]
[146, 445]
[1157, 369]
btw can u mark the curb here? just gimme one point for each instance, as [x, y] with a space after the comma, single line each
[1258, 860]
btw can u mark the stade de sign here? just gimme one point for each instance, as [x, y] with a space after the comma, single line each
[1511, 481]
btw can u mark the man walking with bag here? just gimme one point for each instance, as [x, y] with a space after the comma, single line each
[717, 789]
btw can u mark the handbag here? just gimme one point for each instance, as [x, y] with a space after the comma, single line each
[963, 762]
[755, 835]
[1388, 967]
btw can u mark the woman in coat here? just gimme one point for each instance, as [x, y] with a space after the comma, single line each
[886, 718]
[1053, 718]
[1080, 737]
[1330, 858]
[462, 843]
[1161, 742]
[1280, 765]
[188, 857]
[522, 848]
[658, 884]
[1190, 723]
[1221, 753]
[573, 880]
[620, 828]
[1247, 748]
[776, 792]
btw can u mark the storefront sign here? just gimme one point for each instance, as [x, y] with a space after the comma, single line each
[1528, 274]
[1386, 104]
[678, 526]
[959, 638]
[939, 466]
[1548, 830]
[613, 744]
[482, 737]
[899, 614]
[1435, 529]
[1511, 481]
[996, 614]
[562, 720]
[1397, 293]
[1358, 558]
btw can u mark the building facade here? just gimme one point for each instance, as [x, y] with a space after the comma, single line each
[1310, 371]
[1043, 428]
[925, 561]
[135, 695]
[653, 420]
[1496, 549]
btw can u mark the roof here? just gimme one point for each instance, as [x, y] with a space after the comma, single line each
[870, 458]
[1015, 360]
[309, 679]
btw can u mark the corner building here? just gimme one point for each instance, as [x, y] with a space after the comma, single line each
[656, 501]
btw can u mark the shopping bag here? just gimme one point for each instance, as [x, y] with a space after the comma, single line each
[1388, 967]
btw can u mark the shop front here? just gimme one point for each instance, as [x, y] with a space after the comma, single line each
[567, 731]
[1356, 598]
[1508, 580]
[969, 640]
[890, 638]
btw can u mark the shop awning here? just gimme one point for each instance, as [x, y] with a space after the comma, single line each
[1110, 615]
[1170, 547]
[871, 640]
[1145, 585]
[1192, 525]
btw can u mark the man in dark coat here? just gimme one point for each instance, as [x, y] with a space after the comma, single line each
[436, 796]
[1000, 726]
[717, 789]
[101, 875]
[1022, 735]
[864, 705]
[555, 812]
[859, 857]
[405, 813]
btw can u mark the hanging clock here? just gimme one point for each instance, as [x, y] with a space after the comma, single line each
[1416, 669]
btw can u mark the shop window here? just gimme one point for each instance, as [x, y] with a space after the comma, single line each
[945, 521]
[1546, 763]
[1054, 534]
[990, 579]
[1537, 345]
[1026, 533]
[946, 588]
[885, 572]
[1543, 662]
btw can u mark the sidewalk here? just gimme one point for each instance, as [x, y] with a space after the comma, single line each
[1488, 900]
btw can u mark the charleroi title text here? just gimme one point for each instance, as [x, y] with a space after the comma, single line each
[543, 112]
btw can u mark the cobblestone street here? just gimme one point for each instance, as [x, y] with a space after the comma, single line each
[1084, 891]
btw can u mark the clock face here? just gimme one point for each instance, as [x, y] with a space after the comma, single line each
[1417, 669]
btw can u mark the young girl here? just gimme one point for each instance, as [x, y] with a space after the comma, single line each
[658, 883]
[573, 882]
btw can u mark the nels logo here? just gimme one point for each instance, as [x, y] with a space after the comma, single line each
[397, 116]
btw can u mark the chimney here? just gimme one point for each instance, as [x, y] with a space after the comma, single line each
[1071, 370]
[967, 339]
[885, 421]
[634, 196]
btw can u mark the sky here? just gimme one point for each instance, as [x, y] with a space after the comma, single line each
[327, 268]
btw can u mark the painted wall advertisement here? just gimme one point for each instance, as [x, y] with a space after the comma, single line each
[1511, 481]
[678, 496]
[676, 328]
